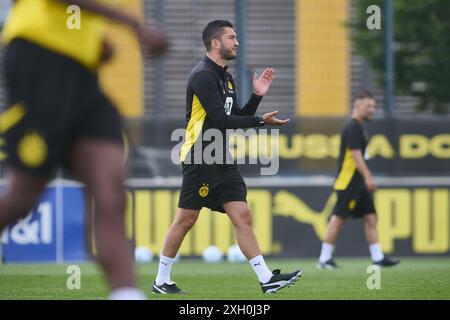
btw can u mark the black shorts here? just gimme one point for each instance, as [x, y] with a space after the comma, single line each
[211, 186]
[52, 102]
[354, 202]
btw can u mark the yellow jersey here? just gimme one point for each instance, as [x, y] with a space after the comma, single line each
[48, 23]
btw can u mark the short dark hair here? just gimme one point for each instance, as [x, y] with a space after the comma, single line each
[364, 95]
[214, 30]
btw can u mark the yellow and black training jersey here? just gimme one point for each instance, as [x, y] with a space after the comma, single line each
[45, 23]
[353, 137]
[211, 103]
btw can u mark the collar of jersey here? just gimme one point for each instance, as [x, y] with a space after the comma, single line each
[219, 69]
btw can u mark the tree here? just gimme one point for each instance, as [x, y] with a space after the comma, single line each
[421, 48]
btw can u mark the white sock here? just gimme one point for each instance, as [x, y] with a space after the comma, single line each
[127, 293]
[164, 269]
[375, 252]
[262, 271]
[326, 253]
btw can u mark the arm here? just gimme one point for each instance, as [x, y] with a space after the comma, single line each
[363, 169]
[152, 40]
[106, 11]
[355, 140]
[205, 88]
[250, 107]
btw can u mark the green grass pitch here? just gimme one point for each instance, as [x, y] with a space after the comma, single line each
[414, 278]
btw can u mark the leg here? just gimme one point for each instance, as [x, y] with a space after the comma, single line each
[333, 229]
[20, 197]
[99, 163]
[366, 208]
[183, 222]
[370, 227]
[326, 255]
[241, 217]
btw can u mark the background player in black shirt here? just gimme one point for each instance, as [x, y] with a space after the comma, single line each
[354, 186]
[212, 104]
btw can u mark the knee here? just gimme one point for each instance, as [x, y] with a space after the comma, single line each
[186, 222]
[110, 202]
[337, 221]
[20, 210]
[19, 207]
[371, 221]
[244, 218]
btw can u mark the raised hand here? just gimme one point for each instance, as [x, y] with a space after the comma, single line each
[262, 83]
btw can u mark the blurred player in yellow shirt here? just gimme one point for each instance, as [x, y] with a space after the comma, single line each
[56, 114]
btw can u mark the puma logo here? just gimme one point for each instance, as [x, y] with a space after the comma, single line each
[289, 205]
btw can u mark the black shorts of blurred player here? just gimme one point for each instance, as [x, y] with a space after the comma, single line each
[53, 103]
[355, 203]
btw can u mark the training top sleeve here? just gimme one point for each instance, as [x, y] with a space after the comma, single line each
[205, 88]
[354, 136]
[249, 108]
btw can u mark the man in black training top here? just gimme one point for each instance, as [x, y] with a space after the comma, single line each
[354, 186]
[212, 104]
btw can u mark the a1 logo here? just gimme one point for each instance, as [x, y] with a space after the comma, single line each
[34, 229]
